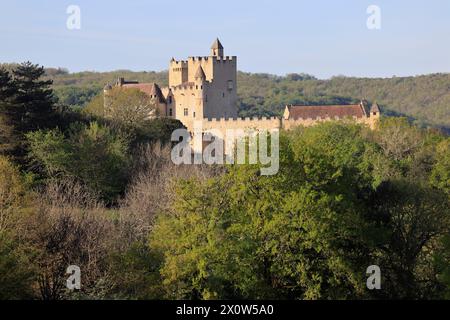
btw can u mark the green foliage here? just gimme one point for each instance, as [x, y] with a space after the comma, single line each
[8, 141]
[93, 153]
[12, 194]
[157, 129]
[76, 97]
[128, 106]
[136, 273]
[310, 231]
[440, 176]
[51, 149]
[442, 262]
[345, 197]
[34, 98]
[15, 275]
[95, 106]
[15, 272]
[424, 98]
[413, 217]
[26, 104]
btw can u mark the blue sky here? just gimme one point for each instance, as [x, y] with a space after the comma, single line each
[320, 37]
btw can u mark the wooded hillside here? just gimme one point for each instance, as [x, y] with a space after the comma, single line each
[425, 99]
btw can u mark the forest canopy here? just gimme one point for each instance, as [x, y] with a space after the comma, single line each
[424, 98]
[104, 194]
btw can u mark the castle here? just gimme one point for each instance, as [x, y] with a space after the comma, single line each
[204, 89]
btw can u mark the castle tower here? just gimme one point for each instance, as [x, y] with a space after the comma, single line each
[217, 49]
[200, 81]
[375, 110]
[106, 96]
[178, 72]
[374, 115]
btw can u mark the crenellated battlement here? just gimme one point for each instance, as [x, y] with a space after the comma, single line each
[179, 62]
[225, 59]
[198, 58]
[223, 123]
[204, 58]
[188, 86]
[246, 119]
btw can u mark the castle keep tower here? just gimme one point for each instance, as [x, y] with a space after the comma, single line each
[203, 87]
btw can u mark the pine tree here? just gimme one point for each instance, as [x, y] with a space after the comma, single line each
[26, 104]
[34, 100]
[7, 93]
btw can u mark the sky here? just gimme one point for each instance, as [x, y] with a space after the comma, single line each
[318, 37]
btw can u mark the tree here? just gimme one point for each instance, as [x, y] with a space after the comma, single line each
[129, 106]
[94, 154]
[309, 232]
[442, 263]
[12, 194]
[34, 101]
[7, 93]
[297, 235]
[26, 104]
[440, 176]
[67, 226]
[413, 218]
[16, 273]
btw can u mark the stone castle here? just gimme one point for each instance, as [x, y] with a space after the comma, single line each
[205, 89]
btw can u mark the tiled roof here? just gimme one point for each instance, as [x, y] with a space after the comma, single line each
[151, 89]
[313, 112]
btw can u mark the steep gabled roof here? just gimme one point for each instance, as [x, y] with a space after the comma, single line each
[375, 108]
[200, 73]
[151, 89]
[217, 44]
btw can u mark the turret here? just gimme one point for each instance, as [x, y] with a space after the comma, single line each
[107, 88]
[106, 97]
[120, 81]
[217, 49]
[375, 110]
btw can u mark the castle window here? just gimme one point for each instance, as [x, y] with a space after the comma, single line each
[185, 112]
[230, 85]
[223, 94]
[170, 112]
[169, 100]
[194, 114]
[196, 86]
